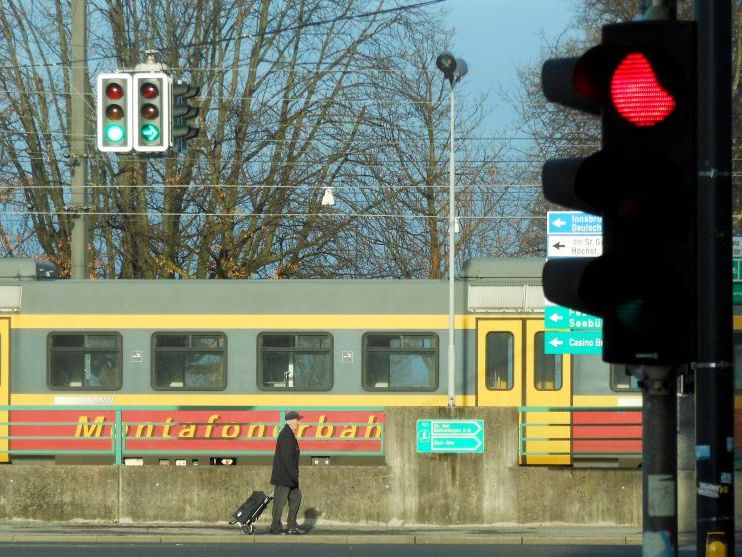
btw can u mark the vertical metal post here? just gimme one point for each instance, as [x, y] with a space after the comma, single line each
[119, 439]
[451, 259]
[659, 460]
[77, 127]
[714, 369]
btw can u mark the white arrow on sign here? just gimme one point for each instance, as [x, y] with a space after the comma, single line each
[556, 317]
[558, 223]
[574, 246]
[555, 342]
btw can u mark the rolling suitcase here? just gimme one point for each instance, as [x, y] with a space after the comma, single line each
[250, 511]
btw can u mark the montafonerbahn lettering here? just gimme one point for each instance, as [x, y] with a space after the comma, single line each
[214, 429]
[331, 431]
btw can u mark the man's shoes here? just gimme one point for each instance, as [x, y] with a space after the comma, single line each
[296, 531]
[277, 532]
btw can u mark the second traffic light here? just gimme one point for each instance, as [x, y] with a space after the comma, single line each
[183, 115]
[641, 79]
[151, 122]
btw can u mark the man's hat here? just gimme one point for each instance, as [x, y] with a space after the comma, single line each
[291, 415]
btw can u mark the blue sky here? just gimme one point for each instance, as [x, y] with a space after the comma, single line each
[495, 37]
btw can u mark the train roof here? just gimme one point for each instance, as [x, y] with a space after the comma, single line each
[525, 269]
[252, 296]
[26, 268]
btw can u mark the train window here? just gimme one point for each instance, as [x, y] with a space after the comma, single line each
[84, 361]
[622, 380]
[400, 362]
[299, 361]
[592, 376]
[547, 373]
[189, 361]
[499, 366]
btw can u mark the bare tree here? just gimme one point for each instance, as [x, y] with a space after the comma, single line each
[561, 132]
[296, 97]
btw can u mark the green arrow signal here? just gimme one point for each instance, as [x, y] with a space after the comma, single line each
[150, 132]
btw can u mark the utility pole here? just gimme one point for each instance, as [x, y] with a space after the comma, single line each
[78, 154]
[714, 367]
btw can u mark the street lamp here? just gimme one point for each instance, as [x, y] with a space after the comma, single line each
[453, 70]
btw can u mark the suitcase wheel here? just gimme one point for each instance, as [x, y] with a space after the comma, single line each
[248, 529]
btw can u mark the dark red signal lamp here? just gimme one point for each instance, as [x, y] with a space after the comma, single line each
[149, 90]
[114, 91]
[637, 94]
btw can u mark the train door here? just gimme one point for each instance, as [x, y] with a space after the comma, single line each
[499, 362]
[4, 386]
[545, 433]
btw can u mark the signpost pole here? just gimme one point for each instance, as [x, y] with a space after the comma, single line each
[659, 458]
[714, 365]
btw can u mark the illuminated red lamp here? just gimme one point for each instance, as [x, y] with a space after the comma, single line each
[637, 94]
[114, 91]
[149, 91]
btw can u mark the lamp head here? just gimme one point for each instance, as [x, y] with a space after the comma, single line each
[453, 68]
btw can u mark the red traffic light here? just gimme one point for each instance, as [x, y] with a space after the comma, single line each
[149, 90]
[637, 94]
[114, 91]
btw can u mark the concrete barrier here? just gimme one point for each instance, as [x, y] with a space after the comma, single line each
[411, 488]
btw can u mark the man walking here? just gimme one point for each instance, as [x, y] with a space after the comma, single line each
[285, 476]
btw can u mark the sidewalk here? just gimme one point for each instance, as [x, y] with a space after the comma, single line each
[559, 534]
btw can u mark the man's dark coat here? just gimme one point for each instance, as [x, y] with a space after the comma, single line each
[286, 459]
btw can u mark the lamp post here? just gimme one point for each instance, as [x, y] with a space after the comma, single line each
[453, 70]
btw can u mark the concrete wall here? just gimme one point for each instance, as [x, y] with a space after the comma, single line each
[410, 489]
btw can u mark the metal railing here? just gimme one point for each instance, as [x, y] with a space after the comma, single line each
[606, 432]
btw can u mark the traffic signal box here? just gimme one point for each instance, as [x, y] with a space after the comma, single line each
[642, 81]
[113, 121]
[183, 114]
[151, 122]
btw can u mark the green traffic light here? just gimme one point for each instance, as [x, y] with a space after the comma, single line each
[115, 133]
[150, 132]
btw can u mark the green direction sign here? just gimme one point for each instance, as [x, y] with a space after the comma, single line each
[560, 317]
[450, 436]
[737, 270]
[737, 292]
[573, 342]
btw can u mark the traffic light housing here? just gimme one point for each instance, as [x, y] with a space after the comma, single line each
[114, 112]
[642, 81]
[151, 122]
[183, 115]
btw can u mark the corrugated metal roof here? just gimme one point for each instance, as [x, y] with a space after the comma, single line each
[523, 297]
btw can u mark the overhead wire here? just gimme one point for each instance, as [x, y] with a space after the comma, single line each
[297, 27]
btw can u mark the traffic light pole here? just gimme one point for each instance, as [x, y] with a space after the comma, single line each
[77, 132]
[714, 369]
[659, 459]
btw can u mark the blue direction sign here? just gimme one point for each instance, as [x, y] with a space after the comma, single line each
[560, 317]
[573, 342]
[450, 436]
[737, 269]
[572, 234]
[573, 222]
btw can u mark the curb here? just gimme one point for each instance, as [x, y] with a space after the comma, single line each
[339, 539]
